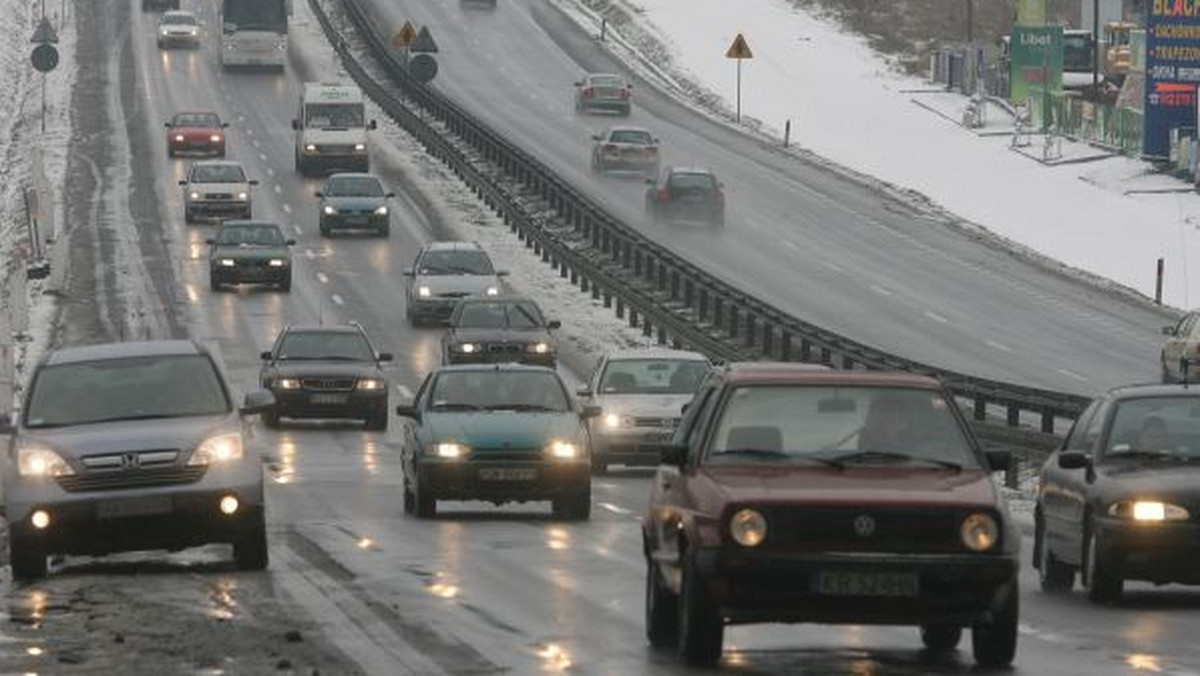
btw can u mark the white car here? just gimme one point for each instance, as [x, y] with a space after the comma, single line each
[216, 189]
[641, 395]
[178, 29]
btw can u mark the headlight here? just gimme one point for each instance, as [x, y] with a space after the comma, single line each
[381, 211]
[215, 138]
[218, 449]
[614, 421]
[36, 461]
[562, 450]
[424, 291]
[450, 451]
[466, 348]
[231, 45]
[280, 46]
[288, 383]
[243, 196]
[195, 195]
[1147, 510]
[277, 262]
[312, 148]
[492, 291]
[980, 532]
[329, 211]
[538, 348]
[370, 384]
[228, 263]
[359, 147]
[179, 138]
[191, 31]
[748, 527]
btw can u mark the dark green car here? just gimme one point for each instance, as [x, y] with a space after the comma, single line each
[497, 433]
[250, 252]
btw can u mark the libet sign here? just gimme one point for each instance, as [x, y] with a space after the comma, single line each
[1172, 71]
[1036, 57]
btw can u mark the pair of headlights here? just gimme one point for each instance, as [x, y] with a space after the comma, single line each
[473, 348]
[332, 211]
[426, 292]
[274, 262]
[557, 449]
[39, 461]
[241, 196]
[366, 384]
[979, 532]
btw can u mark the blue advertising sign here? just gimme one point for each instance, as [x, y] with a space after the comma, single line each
[1172, 71]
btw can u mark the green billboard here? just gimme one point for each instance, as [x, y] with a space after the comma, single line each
[1036, 54]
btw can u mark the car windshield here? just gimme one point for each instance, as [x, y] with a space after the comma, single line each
[652, 376]
[134, 388]
[691, 181]
[497, 390]
[335, 345]
[353, 186]
[860, 425]
[196, 120]
[185, 19]
[455, 262]
[631, 136]
[500, 315]
[250, 235]
[218, 173]
[1155, 425]
[333, 115]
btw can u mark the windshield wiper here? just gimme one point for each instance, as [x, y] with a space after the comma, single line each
[140, 416]
[456, 406]
[523, 407]
[772, 454]
[899, 457]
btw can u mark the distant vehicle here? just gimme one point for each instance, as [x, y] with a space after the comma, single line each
[500, 433]
[1182, 343]
[331, 129]
[250, 252]
[326, 372]
[216, 189]
[685, 193]
[132, 446]
[488, 4]
[445, 273]
[196, 132]
[178, 29]
[159, 5]
[603, 91]
[254, 33]
[1119, 500]
[499, 330]
[626, 149]
[354, 202]
[794, 494]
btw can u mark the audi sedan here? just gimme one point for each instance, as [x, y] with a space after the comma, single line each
[196, 132]
[604, 92]
[216, 189]
[353, 202]
[132, 446]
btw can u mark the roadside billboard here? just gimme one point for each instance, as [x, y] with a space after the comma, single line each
[1036, 55]
[1172, 72]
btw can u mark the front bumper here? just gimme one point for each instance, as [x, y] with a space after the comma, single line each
[1162, 552]
[353, 221]
[178, 40]
[335, 161]
[219, 209]
[616, 105]
[197, 146]
[312, 404]
[464, 480]
[752, 586]
[642, 163]
[251, 274]
[628, 447]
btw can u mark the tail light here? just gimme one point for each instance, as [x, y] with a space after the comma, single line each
[588, 93]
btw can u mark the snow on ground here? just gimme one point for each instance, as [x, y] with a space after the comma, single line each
[846, 103]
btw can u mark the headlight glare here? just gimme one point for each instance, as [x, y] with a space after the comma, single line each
[195, 195]
[562, 450]
[360, 147]
[329, 211]
[277, 262]
[215, 138]
[539, 348]
[288, 384]
[228, 263]
[311, 148]
[381, 211]
[450, 451]
[243, 196]
[179, 138]
[37, 461]
[1148, 510]
[219, 449]
[466, 348]
[424, 291]
[748, 527]
[492, 291]
[373, 384]
[980, 532]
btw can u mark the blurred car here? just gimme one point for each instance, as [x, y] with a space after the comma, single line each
[500, 433]
[178, 29]
[326, 372]
[216, 189]
[1181, 349]
[351, 201]
[794, 494]
[132, 446]
[196, 132]
[1120, 500]
[445, 273]
[625, 149]
[641, 395]
[499, 330]
[686, 193]
[159, 5]
[603, 91]
[250, 252]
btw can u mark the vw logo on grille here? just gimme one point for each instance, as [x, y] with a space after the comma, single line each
[864, 525]
[131, 461]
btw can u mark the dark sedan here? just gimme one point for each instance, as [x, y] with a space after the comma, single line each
[354, 202]
[686, 194]
[250, 252]
[326, 372]
[1121, 499]
[498, 330]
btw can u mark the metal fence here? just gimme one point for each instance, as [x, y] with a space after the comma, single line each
[1116, 127]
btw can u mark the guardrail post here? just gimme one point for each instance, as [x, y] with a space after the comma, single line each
[980, 409]
[584, 284]
[805, 350]
[662, 277]
[847, 362]
[620, 308]
[1048, 421]
[647, 327]
[1014, 415]
[718, 311]
[662, 336]
[703, 311]
[575, 279]
[564, 272]
[1012, 472]
[627, 248]
[633, 318]
[785, 346]
[608, 299]
[768, 335]
[826, 356]
[637, 263]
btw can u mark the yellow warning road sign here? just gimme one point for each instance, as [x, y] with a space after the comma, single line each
[405, 36]
[739, 49]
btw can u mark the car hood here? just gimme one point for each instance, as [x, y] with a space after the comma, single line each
[193, 132]
[853, 486]
[502, 429]
[468, 284]
[499, 335]
[1117, 481]
[251, 252]
[321, 369]
[360, 203]
[337, 136]
[133, 435]
[644, 405]
[234, 188]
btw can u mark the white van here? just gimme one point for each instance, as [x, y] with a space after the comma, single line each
[331, 129]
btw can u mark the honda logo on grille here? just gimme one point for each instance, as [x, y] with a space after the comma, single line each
[131, 461]
[864, 525]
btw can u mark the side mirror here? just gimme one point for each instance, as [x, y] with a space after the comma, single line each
[553, 324]
[182, 182]
[265, 356]
[318, 194]
[583, 392]
[390, 195]
[167, 125]
[670, 454]
[1073, 460]
[253, 181]
[290, 242]
[650, 181]
[408, 411]
[224, 125]
[258, 401]
[588, 412]
[210, 241]
[1168, 330]
[684, 407]
[502, 273]
[408, 272]
[384, 356]
[579, 83]
[371, 125]
[596, 137]
[998, 461]
[296, 124]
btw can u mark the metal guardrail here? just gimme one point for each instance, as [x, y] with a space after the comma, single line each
[656, 289]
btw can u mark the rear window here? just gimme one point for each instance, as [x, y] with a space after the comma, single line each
[607, 81]
[693, 181]
[641, 138]
[500, 315]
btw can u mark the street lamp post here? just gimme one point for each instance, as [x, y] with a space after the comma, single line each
[1095, 47]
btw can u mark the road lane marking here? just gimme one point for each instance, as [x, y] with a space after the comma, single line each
[880, 290]
[297, 229]
[278, 189]
[337, 300]
[404, 391]
[322, 278]
[832, 266]
[270, 171]
[309, 253]
[262, 156]
[287, 209]
[791, 245]
[1075, 376]
[936, 317]
[998, 346]
[615, 509]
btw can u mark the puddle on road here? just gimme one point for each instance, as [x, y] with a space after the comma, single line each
[222, 605]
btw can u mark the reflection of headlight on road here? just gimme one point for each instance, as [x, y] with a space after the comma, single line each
[228, 263]
[424, 292]
[277, 262]
[381, 211]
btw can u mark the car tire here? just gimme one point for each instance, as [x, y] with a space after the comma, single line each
[1101, 585]
[1054, 575]
[188, 217]
[271, 419]
[286, 284]
[424, 506]
[213, 284]
[1167, 378]
[941, 638]
[410, 503]
[599, 466]
[27, 558]
[995, 643]
[701, 627]
[250, 552]
[377, 421]
[662, 610]
[574, 508]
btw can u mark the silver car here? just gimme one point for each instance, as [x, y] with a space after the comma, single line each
[178, 29]
[445, 273]
[626, 149]
[1181, 349]
[604, 91]
[132, 446]
[641, 395]
[216, 189]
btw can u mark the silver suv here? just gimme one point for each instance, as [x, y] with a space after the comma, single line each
[132, 446]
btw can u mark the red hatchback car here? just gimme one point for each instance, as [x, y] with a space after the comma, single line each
[799, 494]
[196, 133]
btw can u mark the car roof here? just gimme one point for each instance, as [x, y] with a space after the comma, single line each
[656, 353]
[139, 348]
[690, 170]
[178, 12]
[324, 328]
[1154, 390]
[625, 127]
[505, 366]
[778, 373]
[453, 246]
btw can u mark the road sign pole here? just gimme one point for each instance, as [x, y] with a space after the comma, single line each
[739, 90]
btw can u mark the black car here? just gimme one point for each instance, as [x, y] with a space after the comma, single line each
[250, 252]
[497, 330]
[682, 193]
[326, 372]
[1121, 499]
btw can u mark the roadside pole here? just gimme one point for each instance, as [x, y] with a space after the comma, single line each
[739, 51]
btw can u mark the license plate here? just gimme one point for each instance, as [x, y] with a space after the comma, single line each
[329, 399]
[508, 474]
[116, 509]
[850, 583]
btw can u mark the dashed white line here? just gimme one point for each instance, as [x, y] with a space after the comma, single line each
[791, 245]
[832, 266]
[270, 171]
[880, 290]
[936, 317]
[1074, 376]
[998, 346]
[262, 156]
[278, 190]
[297, 229]
[310, 254]
[615, 509]
[287, 209]
[322, 278]
[256, 143]
[337, 300]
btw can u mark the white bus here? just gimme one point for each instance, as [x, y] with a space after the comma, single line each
[254, 33]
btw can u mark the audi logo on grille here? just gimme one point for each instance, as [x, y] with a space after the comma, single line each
[131, 461]
[864, 525]
[327, 384]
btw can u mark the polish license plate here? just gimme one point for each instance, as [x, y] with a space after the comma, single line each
[851, 583]
[328, 399]
[116, 509]
[508, 474]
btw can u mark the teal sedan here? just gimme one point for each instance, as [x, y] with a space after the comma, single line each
[353, 202]
[498, 433]
[250, 252]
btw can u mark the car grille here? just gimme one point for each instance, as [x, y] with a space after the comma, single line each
[335, 149]
[506, 454]
[665, 423]
[504, 348]
[327, 384]
[132, 469]
[454, 294]
[608, 92]
[218, 196]
[835, 529]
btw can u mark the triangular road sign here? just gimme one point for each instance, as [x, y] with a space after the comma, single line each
[44, 33]
[405, 36]
[424, 42]
[739, 49]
